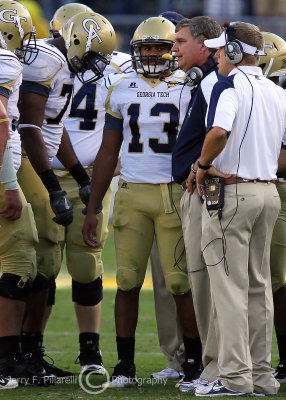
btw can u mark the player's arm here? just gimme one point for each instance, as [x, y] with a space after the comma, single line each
[12, 202]
[32, 109]
[4, 126]
[68, 158]
[103, 170]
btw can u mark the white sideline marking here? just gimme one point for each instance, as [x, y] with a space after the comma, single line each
[141, 353]
[51, 333]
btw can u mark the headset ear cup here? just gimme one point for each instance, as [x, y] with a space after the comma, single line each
[233, 52]
[193, 76]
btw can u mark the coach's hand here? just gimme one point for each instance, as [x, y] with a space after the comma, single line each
[62, 207]
[89, 230]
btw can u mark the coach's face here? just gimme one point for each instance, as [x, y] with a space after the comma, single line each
[189, 50]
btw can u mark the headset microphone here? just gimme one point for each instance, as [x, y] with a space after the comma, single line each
[195, 74]
[167, 56]
[161, 77]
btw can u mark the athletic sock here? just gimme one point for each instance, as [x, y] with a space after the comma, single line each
[281, 342]
[193, 349]
[31, 341]
[89, 341]
[126, 349]
[10, 346]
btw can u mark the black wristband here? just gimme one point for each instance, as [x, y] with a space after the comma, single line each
[79, 173]
[205, 167]
[50, 180]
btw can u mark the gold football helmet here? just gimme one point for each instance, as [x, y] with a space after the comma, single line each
[90, 41]
[154, 30]
[17, 32]
[63, 14]
[274, 63]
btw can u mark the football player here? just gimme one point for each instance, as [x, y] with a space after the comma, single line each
[85, 44]
[19, 236]
[143, 111]
[84, 128]
[274, 66]
[168, 325]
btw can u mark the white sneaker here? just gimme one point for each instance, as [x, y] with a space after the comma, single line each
[167, 373]
[95, 368]
[6, 383]
[192, 385]
[124, 376]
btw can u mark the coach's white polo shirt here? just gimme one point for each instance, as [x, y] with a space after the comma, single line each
[253, 110]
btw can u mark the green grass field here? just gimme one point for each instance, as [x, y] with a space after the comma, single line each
[61, 341]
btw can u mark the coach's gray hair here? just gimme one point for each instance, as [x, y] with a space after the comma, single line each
[201, 27]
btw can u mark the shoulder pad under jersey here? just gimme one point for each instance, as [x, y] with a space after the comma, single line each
[113, 79]
[48, 62]
[10, 67]
[120, 62]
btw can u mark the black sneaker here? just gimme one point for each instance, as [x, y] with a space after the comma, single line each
[50, 368]
[91, 361]
[280, 373]
[192, 371]
[25, 371]
[124, 375]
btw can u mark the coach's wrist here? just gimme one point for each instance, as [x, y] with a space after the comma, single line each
[204, 167]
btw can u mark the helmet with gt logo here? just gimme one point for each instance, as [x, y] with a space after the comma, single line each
[274, 63]
[153, 31]
[63, 14]
[17, 32]
[89, 40]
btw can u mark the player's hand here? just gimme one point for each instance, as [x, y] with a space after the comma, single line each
[84, 191]
[13, 205]
[62, 207]
[89, 230]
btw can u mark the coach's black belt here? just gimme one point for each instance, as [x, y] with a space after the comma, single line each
[236, 179]
[14, 125]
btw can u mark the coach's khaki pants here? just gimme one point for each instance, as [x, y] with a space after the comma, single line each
[238, 248]
[191, 208]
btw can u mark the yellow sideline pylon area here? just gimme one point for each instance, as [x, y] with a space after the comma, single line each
[64, 281]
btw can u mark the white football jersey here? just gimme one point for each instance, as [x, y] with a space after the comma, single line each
[152, 112]
[86, 120]
[50, 69]
[11, 79]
